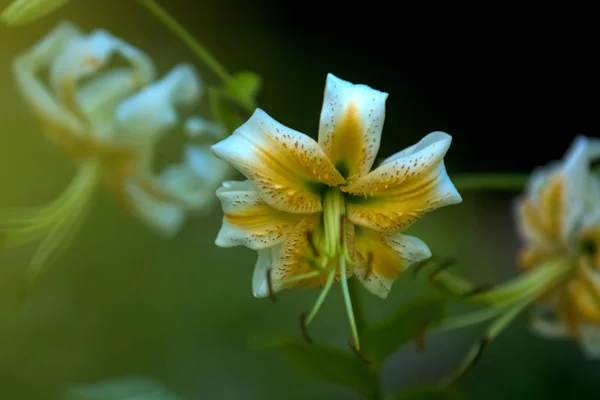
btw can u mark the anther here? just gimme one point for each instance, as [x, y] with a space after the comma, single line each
[483, 344]
[270, 285]
[358, 353]
[304, 329]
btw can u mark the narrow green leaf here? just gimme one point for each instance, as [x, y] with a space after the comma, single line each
[330, 364]
[244, 86]
[409, 322]
[429, 393]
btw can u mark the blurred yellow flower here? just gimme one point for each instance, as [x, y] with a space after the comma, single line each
[109, 119]
[316, 212]
[21, 12]
[559, 219]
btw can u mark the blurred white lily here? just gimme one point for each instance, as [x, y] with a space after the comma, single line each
[316, 212]
[109, 121]
[21, 12]
[559, 220]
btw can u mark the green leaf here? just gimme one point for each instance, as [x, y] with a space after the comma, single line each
[330, 364]
[409, 322]
[225, 110]
[429, 393]
[244, 86]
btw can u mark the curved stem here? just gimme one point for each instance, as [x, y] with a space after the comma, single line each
[490, 181]
[359, 310]
[198, 49]
[468, 319]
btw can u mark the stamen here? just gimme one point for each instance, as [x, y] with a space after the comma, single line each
[321, 298]
[473, 358]
[342, 231]
[443, 265]
[311, 242]
[359, 353]
[348, 301]
[420, 337]
[421, 265]
[270, 285]
[486, 287]
[301, 277]
[304, 328]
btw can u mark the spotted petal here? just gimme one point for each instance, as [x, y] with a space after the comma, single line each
[381, 258]
[288, 168]
[352, 119]
[248, 220]
[404, 187]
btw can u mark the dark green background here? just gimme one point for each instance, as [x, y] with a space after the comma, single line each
[124, 301]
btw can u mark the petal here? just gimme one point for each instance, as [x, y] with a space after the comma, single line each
[381, 258]
[288, 168]
[20, 12]
[260, 281]
[153, 110]
[165, 218]
[555, 198]
[27, 68]
[85, 57]
[547, 326]
[590, 340]
[248, 220]
[194, 181]
[350, 128]
[297, 257]
[403, 188]
[198, 128]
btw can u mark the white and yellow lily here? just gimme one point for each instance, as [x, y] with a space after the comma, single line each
[559, 220]
[316, 212]
[109, 121]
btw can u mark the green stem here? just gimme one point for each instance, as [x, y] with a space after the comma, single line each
[533, 283]
[203, 55]
[359, 310]
[485, 181]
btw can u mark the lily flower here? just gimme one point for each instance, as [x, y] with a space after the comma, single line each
[316, 212]
[21, 12]
[559, 219]
[108, 120]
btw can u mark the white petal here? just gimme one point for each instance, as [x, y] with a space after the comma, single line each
[288, 168]
[590, 340]
[154, 109]
[248, 220]
[27, 68]
[265, 260]
[575, 172]
[404, 188]
[165, 218]
[85, 55]
[197, 127]
[195, 179]
[350, 127]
